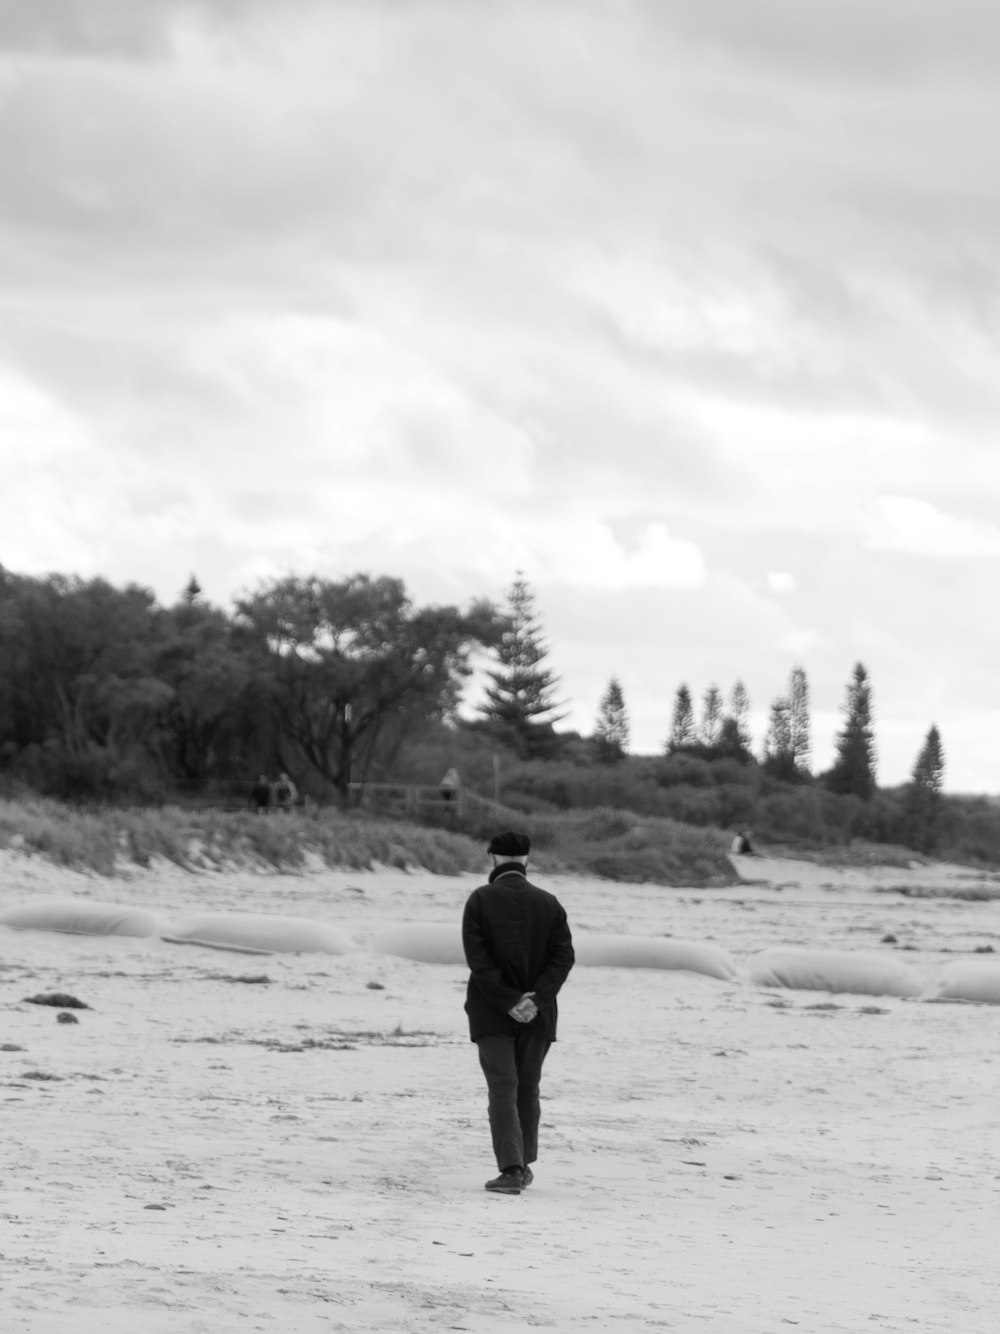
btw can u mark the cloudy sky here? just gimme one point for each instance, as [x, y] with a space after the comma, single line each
[687, 309]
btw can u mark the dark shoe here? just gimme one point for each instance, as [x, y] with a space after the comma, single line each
[509, 1182]
[527, 1177]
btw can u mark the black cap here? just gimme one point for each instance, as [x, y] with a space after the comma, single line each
[510, 844]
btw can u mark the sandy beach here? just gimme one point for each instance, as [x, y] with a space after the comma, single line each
[232, 1142]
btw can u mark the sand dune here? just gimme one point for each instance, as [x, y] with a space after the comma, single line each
[226, 1142]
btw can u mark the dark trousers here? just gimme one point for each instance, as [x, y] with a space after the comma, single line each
[513, 1069]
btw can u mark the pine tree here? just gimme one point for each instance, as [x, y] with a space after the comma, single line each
[853, 768]
[779, 757]
[924, 795]
[611, 731]
[739, 713]
[711, 716]
[520, 698]
[682, 729]
[731, 745]
[800, 740]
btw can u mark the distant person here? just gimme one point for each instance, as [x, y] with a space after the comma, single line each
[519, 950]
[742, 845]
[285, 793]
[450, 784]
[260, 795]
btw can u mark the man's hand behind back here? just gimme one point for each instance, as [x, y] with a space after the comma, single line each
[525, 1009]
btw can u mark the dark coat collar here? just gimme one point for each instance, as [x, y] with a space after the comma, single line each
[508, 868]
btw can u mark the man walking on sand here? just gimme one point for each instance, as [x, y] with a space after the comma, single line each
[519, 950]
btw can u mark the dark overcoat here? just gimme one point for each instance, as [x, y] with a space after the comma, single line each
[517, 939]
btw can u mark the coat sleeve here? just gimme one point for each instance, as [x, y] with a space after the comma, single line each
[559, 961]
[485, 973]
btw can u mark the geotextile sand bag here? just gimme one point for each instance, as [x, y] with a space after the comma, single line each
[438, 943]
[258, 933]
[442, 944]
[971, 980]
[612, 951]
[84, 917]
[861, 972]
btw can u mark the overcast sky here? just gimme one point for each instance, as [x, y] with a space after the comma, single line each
[687, 309]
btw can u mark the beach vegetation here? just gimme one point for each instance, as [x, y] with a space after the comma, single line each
[145, 727]
[110, 840]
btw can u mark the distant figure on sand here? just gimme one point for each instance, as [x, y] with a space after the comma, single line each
[519, 950]
[450, 784]
[285, 793]
[260, 795]
[742, 845]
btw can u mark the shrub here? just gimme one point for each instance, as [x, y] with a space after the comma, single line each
[687, 770]
[791, 816]
[694, 805]
[732, 773]
[737, 806]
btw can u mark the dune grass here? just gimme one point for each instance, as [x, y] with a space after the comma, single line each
[607, 843]
[108, 840]
[79, 839]
[612, 844]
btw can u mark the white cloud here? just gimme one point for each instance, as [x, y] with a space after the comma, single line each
[799, 643]
[907, 524]
[348, 400]
[487, 543]
[48, 458]
[32, 419]
[585, 553]
[780, 581]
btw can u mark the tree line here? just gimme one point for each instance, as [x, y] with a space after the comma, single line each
[522, 696]
[103, 692]
[722, 733]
